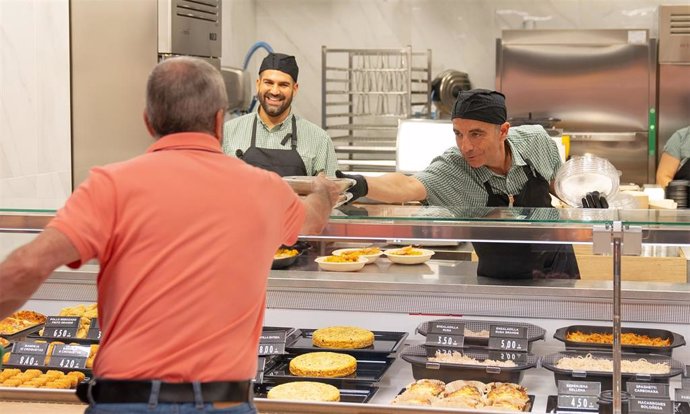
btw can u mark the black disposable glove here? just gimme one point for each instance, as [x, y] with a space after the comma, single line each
[360, 189]
[594, 200]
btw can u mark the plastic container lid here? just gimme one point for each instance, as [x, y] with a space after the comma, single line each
[583, 174]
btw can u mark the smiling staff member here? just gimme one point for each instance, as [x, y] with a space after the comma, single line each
[493, 165]
[273, 138]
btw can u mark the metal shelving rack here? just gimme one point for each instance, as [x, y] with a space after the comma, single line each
[364, 94]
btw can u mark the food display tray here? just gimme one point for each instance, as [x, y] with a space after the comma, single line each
[552, 406]
[285, 262]
[368, 371]
[17, 336]
[385, 344]
[87, 371]
[605, 378]
[534, 332]
[676, 339]
[447, 372]
[352, 393]
[38, 395]
[528, 406]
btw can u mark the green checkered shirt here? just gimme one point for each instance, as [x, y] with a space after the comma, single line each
[313, 143]
[450, 181]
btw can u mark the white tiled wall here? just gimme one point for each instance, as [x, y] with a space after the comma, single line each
[34, 104]
[34, 59]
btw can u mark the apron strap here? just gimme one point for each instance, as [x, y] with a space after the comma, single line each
[253, 142]
[293, 139]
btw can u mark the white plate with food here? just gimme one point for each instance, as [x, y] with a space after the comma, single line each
[304, 185]
[408, 255]
[369, 253]
[341, 263]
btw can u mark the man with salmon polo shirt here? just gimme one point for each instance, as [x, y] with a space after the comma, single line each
[185, 238]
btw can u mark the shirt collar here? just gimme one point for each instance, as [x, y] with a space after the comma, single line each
[287, 122]
[186, 140]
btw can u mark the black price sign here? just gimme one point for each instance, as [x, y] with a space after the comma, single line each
[682, 395]
[508, 338]
[566, 387]
[28, 354]
[578, 402]
[508, 344]
[94, 334]
[61, 327]
[272, 349]
[69, 356]
[67, 362]
[273, 337]
[649, 405]
[648, 390]
[94, 324]
[443, 340]
[517, 357]
[447, 328]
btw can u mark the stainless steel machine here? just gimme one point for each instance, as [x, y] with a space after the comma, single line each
[674, 71]
[600, 84]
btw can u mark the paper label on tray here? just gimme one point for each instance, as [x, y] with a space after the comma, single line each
[502, 331]
[578, 402]
[62, 322]
[517, 357]
[272, 349]
[648, 390]
[682, 395]
[567, 387]
[649, 405]
[507, 344]
[447, 328]
[443, 340]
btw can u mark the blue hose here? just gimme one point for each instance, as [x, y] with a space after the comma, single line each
[256, 46]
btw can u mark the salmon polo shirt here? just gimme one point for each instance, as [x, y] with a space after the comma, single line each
[185, 237]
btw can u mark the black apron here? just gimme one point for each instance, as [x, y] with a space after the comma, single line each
[526, 261]
[684, 172]
[283, 162]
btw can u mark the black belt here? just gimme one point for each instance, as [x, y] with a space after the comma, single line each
[117, 391]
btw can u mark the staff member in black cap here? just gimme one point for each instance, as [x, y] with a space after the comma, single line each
[493, 165]
[273, 138]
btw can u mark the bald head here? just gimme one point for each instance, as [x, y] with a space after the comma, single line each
[184, 94]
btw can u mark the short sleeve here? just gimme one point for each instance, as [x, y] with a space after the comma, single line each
[88, 217]
[436, 178]
[673, 146]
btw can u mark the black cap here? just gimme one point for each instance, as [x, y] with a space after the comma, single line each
[481, 105]
[281, 62]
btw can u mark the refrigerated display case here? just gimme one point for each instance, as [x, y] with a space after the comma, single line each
[391, 297]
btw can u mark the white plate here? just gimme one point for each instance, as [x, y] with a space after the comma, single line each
[409, 259]
[371, 258]
[341, 266]
[304, 185]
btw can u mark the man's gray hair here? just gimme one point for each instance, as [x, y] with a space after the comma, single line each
[183, 94]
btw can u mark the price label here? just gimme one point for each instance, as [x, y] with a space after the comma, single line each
[26, 360]
[31, 348]
[682, 395]
[447, 328]
[501, 331]
[94, 334]
[273, 337]
[578, 402]
[62, 322]
[648, 390]
[508, 344]
[567, 387]
[94, 324]
[272, 349]
[67, 362]
[517, 357]
[649, 405]
[79, 351]
[53, 332]
[441, 340]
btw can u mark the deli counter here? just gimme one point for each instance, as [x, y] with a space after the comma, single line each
[402, 301]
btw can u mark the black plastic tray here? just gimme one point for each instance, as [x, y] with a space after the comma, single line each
[552, 407]
[605, 378]
[352, 393]
[368, 371]
[17, 336]
[528, 406]
[534, 332]
[385, 343]
[87, 371]
[300, 246]
[676, 339]
[447, 372]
